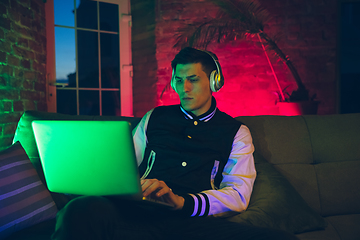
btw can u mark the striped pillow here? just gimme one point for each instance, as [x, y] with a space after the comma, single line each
[24, 200]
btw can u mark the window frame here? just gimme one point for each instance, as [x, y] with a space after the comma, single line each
[125, 58]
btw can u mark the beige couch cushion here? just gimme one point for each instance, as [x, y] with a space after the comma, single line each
[339, 187]
[334, 138]
[280, 139]
[303, 178]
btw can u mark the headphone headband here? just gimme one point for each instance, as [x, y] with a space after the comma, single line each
[216, 78]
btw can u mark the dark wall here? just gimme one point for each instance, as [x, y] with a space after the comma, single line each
[22, 62]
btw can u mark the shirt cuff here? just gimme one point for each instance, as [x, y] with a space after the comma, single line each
[196, 205]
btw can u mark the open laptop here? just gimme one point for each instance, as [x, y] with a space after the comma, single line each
[89, 158]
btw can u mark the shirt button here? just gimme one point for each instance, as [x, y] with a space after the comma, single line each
[184, 164]
[195, 123]
[189, 136]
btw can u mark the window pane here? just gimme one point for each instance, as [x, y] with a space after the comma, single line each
[89, 102]
[65, 54]
[64, 12]
[88, 63]
[109, 17]
[110, 73]
[66, 101]
[87, 14]
[111, 103]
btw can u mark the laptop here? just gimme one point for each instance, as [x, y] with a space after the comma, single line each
[89, 158]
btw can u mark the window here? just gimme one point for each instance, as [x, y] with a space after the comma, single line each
[89, 67]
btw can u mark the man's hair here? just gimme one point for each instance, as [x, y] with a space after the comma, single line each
[192, 55]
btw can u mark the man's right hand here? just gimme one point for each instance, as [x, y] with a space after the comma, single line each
[160, 189]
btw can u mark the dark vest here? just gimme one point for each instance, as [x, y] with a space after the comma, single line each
[186, 152]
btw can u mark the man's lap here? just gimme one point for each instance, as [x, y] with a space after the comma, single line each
[110, 218]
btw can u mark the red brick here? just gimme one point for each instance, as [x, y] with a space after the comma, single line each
[5, 46]
[3, 57]
[16, 83]
[39, 67]
[3, 81]
[39, 38]
[5, 2]
[40, 87]
[25, 21]
[24, 3]
[24, 32]
[9, 117]
[23, 42]
[40, 58]
[14, 15]
[35, 7]
[293, 36]
[38, 26]
[294, 27]
[2, 9]
[29, 105]
[35, 46]
[9, 128]
[13, 61]
[5, 23]
[26, 64]
[23, 10]
[41, 77]
[23, 52]
[5, 106]
[30, 95]
[18, 106]
[5, 69]
[28, 85]
[41, 106]
[5, 141]
[30, 75]
[11, 37]
[8, 94]
[19, 73]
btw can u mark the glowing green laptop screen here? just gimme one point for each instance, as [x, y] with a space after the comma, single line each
[88, 157]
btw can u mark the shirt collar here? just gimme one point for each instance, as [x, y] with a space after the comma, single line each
[203, 117]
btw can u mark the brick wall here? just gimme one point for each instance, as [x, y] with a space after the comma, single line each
[22, 62]
[305, 30]
[143, 55]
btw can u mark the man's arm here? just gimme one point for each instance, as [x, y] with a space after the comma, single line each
[235, 189]
[139, 137]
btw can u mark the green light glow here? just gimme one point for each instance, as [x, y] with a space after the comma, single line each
[81, 157]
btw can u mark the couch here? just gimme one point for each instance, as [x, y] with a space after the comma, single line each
[308, 177]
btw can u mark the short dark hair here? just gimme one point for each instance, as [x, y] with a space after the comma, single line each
[192, 55]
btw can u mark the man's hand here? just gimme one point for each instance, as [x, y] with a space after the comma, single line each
[158, 189]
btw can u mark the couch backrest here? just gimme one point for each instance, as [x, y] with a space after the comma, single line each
[319, 155]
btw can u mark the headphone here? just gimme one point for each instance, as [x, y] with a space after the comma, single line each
[216, 76]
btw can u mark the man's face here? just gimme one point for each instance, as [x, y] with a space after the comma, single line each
[193, 88]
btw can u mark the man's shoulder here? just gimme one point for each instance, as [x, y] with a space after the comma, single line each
[225, 118]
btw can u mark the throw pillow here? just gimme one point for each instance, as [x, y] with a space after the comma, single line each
[276, 204]
[24, 200]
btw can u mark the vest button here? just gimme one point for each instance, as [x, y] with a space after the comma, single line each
[184, 164]
[189, 136]
[195, 123]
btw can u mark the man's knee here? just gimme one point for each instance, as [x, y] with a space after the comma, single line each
[84, 209]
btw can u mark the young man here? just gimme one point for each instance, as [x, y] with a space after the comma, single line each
[191, 155]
